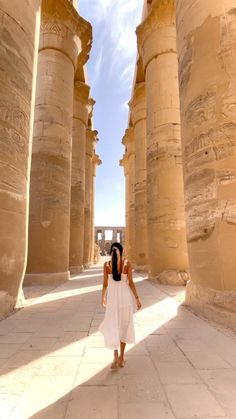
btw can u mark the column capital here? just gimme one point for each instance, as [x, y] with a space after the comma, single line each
[161, 16]
[92, 136]
[124, 162]
[63, 29]
[138, 104]
[96, 162]
[128, 140]
[81, 102]
[81, 91]
[91, 141]
[91, 103]
[129, 136]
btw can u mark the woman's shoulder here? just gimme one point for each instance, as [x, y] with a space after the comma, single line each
[107, 266]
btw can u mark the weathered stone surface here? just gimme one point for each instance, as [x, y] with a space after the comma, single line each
[173, 277]
[19, 30]
[167, 249]
[50, 189]
[219, 306]
[80, 121]
[124, 162]
[138, 117]
[89, 189]
[208, 117]
[129, 143]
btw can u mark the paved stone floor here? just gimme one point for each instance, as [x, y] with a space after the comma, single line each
[53, 364]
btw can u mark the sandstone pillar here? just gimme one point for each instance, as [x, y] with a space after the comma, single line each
[88, 211]
[165, 197]
[125, 163]
[128, 141]
[60, 43]
[19, 35]
[80, 121]
[138, 114]
[95, 162]
[206, 40]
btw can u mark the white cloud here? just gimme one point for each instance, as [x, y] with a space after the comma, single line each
[97, 67]
[119, 19]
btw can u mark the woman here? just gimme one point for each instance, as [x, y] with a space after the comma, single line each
[118, 286]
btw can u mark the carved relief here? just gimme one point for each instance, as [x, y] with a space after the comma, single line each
[14, 117]
[214, 144]
[202, 109]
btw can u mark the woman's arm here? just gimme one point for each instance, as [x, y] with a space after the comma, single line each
[105, 285]
[132, 285]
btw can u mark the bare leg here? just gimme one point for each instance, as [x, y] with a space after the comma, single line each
[122, 352]
[114, 364]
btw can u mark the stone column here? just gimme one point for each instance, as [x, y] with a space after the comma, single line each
[125, 164]
[80, 122]
[165, 196]
[128, 141]
[49, 229]
[95, 162]
[206, 40]
[19, 36]
[138, 115]
[88, 211]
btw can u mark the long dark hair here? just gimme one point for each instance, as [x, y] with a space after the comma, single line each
[116, 260]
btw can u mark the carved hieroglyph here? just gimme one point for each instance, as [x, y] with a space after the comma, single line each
[62, 31]
[206, 40]
[167, 250]
[80, 122]
[138, 117]
[19, 33]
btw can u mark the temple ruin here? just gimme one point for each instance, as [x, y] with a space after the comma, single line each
[105, 236]
[179, 161]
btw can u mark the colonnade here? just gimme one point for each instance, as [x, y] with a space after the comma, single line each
[47, 146]
[183, 150]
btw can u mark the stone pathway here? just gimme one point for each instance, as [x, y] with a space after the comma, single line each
[53, 364]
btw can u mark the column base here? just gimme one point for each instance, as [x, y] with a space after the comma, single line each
[74, 270]
[141, 269]
[87, 265]
[7, 304]
[46, 278]
[217, 306]
[172, 277]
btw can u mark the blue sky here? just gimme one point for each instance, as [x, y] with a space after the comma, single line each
[110, 72]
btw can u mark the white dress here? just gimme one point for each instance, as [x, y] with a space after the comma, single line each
[118, 323]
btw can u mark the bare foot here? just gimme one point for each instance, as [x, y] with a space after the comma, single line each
[121, 362]
[114, 364]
